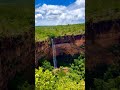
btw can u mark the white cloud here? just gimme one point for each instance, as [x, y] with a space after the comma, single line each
[80, 2]
[38, 16]
[59, 15]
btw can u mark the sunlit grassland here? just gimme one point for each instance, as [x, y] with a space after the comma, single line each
[44, 32]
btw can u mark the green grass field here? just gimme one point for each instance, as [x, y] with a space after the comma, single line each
[45, 32]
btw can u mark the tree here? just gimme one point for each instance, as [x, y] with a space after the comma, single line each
[46, 65]
[79, 66]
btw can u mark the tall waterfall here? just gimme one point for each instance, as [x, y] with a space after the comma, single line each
[54, 54]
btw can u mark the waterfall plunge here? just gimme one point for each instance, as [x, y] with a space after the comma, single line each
[54, 54]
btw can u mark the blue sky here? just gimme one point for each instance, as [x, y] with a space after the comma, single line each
[54, 2]
[59, 12]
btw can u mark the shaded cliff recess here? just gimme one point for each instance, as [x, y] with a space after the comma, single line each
[17, 60]
[102, 43]
[66, 45]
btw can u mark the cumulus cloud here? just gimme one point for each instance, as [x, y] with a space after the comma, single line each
[80, 2]
[60, 15]
[38, 16]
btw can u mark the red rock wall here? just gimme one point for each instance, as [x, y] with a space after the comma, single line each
[105, 34]
[66, 44]
[16, 55]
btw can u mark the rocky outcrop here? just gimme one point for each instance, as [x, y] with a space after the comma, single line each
[104, 30]
[101, 36]
[64, 45]
[16, 56]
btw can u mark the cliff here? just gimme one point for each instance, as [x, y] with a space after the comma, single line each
[100, 37]
[64, 45]
[16, 56]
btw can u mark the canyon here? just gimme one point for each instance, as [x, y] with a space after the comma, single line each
[68, 45]
[18, 54]
[99, 37]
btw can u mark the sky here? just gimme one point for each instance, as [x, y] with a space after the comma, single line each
[59, 12]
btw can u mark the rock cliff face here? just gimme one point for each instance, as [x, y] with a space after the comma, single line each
[16, 56]
[103, 31]
[100, 37]
[64, 45]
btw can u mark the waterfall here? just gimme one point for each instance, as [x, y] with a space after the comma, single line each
[54, 54]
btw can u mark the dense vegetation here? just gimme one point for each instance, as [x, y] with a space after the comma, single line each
[62, 78]
[70, 73]
[45, 32]
[110, 79]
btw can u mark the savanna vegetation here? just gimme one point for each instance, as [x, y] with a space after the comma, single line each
[45, 32]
